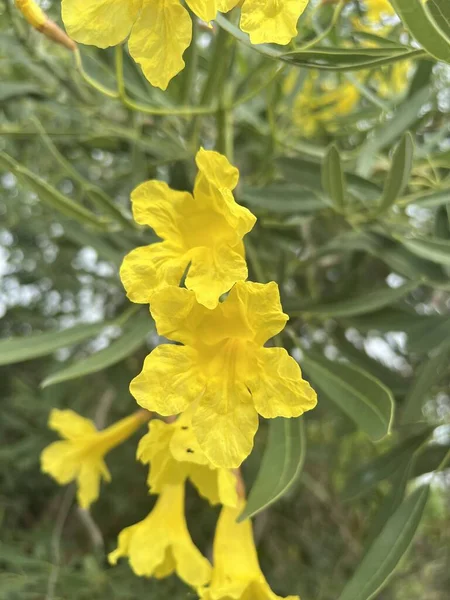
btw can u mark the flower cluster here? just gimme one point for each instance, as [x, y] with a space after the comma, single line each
[159, 31]
[210, 387]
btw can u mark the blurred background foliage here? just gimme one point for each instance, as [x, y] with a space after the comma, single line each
[361, 253]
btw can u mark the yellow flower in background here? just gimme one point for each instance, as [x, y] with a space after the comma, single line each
[320, 103]
[203, 231]
[174, 455]
[80, 456]
[222, 370]
[161, 545]
[376, 10]
[236, 572]
[159, 31]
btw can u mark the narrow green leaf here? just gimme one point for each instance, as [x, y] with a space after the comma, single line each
[136, 330]
[392, 500]
[360, 396]
[382, 558]
[14, 350]
[429, 373]
[399, 172]
[51, 196]
[282, 198]
[430, 459]
[333, 180]
[280, 466]
[348, 59]
[359, 305]
[369, 475]
[440, 11]
[430, 199]
[406, 114]
[430, 33]
[435, 250]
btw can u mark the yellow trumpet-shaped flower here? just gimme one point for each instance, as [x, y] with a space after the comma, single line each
[160, 30]
[161, 545]
[174, 455]
[236, 572]
[222, 370]
[80, 456]
[203, 231]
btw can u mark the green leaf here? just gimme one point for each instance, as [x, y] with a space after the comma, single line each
[399, 172]
[430, 459]
[382, 558]
[333, 180]
[280, 466]
[390, 503]
[359, 395]
[16, 350]
[406, 114]
[430, 199]
[429, 373]
[15, 89]
[50, 195]
[436, 250]
[384, 466]
[348, 59]
[359, 305]
[282, 198]
[430, 33]
[136, 331]
[440, 11]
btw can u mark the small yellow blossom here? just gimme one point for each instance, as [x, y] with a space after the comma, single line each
[80, 456]
[160, 30]
[161, 545]
[223, 370]
[236, 572]
[203, 231]
[376, 10]
[319, 104]
[174, 455]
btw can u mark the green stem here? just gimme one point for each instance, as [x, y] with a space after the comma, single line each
[191, 59]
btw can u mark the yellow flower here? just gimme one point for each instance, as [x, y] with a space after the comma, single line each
[271, 21]
[175, 455]
[377, 9]
[203, 231]
[236, 572]
[319, 104]
[80, 456]
[161, 545]
[160, 30]
[223, 370]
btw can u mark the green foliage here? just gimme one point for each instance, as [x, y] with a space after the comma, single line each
[353, 223]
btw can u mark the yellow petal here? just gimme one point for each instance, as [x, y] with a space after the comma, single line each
[155, 204]
[169, 380]
[158, 39]
[101, 23]
[215, 169]
[153, 449]
[205, 10]
[271, 21]
[89, 482]
[277, 386]
[70, 424]
[147, 268]
[61, 461]
[205, 480]
[227, 487]
[177, 314]
[225, 422]
[226, 5]
[212, 273]
[183, 444]
[260, 306]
